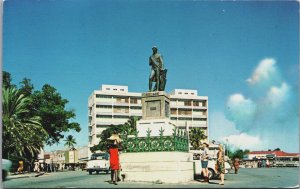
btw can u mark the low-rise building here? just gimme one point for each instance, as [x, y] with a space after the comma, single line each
[275, 158]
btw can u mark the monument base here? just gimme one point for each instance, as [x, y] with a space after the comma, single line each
[165, 167]
[155, 125]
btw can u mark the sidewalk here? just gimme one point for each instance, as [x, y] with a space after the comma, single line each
[25, 175]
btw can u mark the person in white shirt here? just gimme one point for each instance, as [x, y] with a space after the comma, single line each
[204, 161]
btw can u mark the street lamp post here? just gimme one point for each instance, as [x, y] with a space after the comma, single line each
[226, 146]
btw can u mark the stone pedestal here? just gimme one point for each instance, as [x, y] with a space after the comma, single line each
[166, 167]
[155, 105]
[159, 151]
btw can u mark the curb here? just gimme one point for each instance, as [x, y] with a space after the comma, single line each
[24, 176]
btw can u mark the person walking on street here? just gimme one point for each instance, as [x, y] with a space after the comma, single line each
[221, 163]
[204, 161]
[114, 141]
[236, 165]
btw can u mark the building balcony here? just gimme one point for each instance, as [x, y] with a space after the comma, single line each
[125, 114]
[136, 105]
[181, 107]
[135, 114]
[104, 103]
[183, 115]
[200, 107]
[121, 104]
[200, 116]
[103, 112]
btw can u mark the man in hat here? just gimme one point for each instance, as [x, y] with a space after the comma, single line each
[204, 161]
[114, 141]
[157, 65]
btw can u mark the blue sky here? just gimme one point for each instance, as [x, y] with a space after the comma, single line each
[243, 55]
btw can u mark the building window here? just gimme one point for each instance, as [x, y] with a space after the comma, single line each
[122, 100]
[173, 111]
[195, 103]
[199, 119]
[102, 96]
[135, 108]
[121, 116]
[122, 89]
[184, 118]
[188, 103]
[184, 112]
[103, 116]
[133, 100]
[103, 106]
[121, 110]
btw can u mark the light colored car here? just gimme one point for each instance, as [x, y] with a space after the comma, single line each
[98, 162]
[6, 166]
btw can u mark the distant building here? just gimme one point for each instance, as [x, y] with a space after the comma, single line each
[114, 104]
[276, 159]
[83, 156]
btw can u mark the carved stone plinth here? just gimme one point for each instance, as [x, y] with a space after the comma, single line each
[155, 105]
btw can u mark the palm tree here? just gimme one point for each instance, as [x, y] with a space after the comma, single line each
[23, 136]
[130, 125]
[196, 136]
[70, 141]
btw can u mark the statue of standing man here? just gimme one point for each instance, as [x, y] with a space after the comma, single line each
[158, 73]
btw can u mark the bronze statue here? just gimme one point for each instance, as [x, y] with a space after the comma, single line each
[158, 74]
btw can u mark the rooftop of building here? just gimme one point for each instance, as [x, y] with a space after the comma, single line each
[276, 152]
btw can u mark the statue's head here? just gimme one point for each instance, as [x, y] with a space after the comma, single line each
[154, 49]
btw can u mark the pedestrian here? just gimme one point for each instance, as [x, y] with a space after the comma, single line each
[268, 163]
[221, 163]
[236, 165]
[204, 161]
[36, 167]
[113, 142]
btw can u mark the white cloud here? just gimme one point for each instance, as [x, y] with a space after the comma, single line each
[277, 95]
[264, 71]
[220, 126]
[269, 114]
[243, 141]
[240, 110]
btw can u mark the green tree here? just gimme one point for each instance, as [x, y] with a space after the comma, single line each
[22, 136]
[106, 134]
[26, 87]
[237, 153]
[50, 106]
[196, 136]
[127, 128]
[70, 141]
[6, 80]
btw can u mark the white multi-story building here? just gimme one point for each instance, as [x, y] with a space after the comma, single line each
[113, 105]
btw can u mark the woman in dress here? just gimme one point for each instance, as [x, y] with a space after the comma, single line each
[114, 156]
[221, 163]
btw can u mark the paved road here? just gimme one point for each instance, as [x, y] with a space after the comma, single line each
[247, 178]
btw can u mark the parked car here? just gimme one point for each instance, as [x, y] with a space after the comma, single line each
[6, 166]
[98, 162]
[212, 172]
